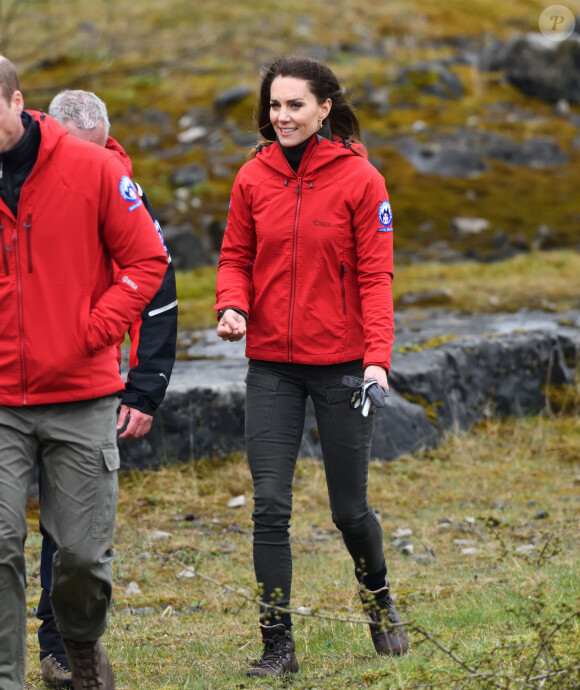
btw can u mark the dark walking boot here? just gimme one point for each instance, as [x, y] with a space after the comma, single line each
[388, 637]
[278, 657]
[89, 665]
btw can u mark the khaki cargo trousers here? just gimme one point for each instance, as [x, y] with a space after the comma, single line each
[79, 462]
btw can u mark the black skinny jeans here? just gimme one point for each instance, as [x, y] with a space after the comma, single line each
[275, 407]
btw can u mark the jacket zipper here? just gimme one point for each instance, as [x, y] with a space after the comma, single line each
[20, 314]
[28, 226]
[303, 166]
[4, 251]
[294, 256]
[343, 270]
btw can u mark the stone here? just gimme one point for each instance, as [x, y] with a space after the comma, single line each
[545, 69]
[186, 248]
[232, 96]
[400, 543]
[426, 298]
[461, 543]
[149, 141]
[437, 158]
[191, 135]
[188, 176]
[469, 551]
[431, 78]
[132, 589]
[159, 535]
[237, 502]
[402, 532]
[467, 227]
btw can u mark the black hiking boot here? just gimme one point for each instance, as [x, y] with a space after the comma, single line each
[90, 666]
[55, 670]
[278, 657]
[388, 637]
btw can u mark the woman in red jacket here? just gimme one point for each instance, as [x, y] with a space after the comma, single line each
[306, 267]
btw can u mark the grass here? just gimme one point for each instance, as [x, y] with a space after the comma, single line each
[492, 608]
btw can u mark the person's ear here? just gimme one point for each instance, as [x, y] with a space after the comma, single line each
[17, 101]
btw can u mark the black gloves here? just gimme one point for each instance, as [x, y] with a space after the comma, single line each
[365, 393]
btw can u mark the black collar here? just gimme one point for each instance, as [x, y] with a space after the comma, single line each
[293, 154]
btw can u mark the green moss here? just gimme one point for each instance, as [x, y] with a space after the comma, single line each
[427, 344]
[429, 407]
[563, 398]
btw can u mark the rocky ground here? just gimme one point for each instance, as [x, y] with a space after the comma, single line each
[448, 371]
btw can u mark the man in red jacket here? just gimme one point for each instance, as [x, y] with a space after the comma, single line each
[153, 339]
[68, 210]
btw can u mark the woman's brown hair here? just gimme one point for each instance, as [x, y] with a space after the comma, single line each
[322, 83]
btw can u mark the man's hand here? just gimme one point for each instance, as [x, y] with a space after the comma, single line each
[138, 423]
[232, 326]
[378, 373]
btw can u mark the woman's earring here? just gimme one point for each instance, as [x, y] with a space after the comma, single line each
[320, 125]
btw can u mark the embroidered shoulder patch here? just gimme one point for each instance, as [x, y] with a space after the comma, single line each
[385, 217]
[129, 193]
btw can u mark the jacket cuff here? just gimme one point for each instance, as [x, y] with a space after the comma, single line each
[240, 311]
[376, 364]
[138, 402]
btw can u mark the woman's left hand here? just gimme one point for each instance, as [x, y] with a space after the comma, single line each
[375, 372]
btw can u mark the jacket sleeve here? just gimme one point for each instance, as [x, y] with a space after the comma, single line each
[374, 246]
[234, 279]
[153, 341]
[135, 246]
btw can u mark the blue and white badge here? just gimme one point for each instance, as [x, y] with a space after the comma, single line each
[385, 217]
[129, 193]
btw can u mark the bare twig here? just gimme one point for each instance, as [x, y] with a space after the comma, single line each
[281, 609]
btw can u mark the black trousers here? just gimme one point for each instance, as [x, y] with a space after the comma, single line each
[49, 638]
[275, 408]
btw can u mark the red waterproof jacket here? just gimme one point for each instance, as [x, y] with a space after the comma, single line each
[62, 312]
[309, 257]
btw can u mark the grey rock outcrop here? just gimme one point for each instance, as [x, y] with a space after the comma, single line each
[187, 249]
[546, 69]
[465, 152]
[431, 77]
[487, 365]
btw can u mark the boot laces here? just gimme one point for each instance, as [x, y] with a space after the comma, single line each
[386, 608]
[275, 651]
[88, 668]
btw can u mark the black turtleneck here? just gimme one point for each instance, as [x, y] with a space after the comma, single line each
[17, 163]
[293, 154]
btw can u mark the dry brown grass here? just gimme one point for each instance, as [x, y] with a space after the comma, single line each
[187, 633]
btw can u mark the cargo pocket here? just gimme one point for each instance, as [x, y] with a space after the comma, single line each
[261, 389]
[351, 429]
[107, 493]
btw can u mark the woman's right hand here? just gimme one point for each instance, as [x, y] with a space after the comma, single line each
[232, 326]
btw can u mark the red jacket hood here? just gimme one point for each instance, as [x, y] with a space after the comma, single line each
[326, 152]
[115, 147]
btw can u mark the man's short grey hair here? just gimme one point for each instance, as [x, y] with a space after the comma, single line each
[84, 108]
